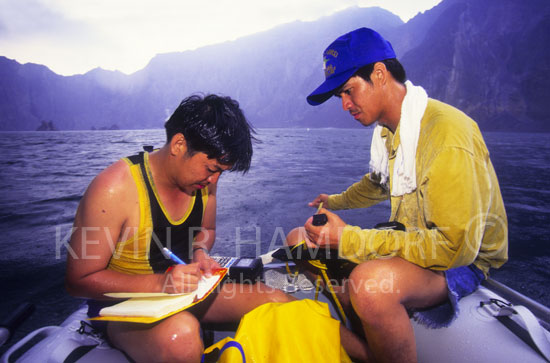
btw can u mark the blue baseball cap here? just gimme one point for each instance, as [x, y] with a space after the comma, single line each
[345, 56]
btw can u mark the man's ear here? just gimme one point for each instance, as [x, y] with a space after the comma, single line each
[178, 144]
[379, 73]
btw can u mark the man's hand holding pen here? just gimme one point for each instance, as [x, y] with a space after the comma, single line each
[319, 200]
[181, 278]
[206, 263]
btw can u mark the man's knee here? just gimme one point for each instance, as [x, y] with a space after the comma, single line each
[267, 294]
[177, 339]
[277, 296]
[374, 286]
[295, 236]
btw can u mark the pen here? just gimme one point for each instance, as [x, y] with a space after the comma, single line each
[319, 209]
[169, 254]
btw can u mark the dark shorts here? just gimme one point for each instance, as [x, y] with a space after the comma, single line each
[461, 282]
[94, 306]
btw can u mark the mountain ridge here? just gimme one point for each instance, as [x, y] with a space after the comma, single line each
[463, 52]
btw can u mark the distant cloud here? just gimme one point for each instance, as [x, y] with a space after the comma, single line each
[28, 17]
[74, 36]
[33, 31]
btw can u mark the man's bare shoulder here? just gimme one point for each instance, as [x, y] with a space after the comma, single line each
[113, 179]
[112, 189]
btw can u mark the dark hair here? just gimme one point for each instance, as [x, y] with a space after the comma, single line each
[392, 65]
[216, 126]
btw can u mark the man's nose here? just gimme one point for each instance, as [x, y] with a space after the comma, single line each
[214, 177]
[346, 102]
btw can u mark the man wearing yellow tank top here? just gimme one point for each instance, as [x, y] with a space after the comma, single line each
[164, 198]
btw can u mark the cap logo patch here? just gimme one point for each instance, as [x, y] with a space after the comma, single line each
[329, 69]
[332, 52]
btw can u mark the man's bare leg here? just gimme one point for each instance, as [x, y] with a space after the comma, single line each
[381, 291]
[174, 339]
[232, 301]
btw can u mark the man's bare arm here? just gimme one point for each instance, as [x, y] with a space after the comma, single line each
[100, 221]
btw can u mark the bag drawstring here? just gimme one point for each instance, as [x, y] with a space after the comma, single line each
[322, 267]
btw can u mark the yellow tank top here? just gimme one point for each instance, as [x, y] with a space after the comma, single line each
[141, 253]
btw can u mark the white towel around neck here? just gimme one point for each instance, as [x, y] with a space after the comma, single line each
[404, 170]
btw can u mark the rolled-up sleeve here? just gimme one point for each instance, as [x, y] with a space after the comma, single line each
[365, 193]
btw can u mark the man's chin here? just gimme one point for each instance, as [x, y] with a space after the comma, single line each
[366, 123]
[189, 189]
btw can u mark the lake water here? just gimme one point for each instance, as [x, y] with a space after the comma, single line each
[44, 174]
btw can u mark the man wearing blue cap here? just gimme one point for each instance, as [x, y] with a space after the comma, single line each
[447, 214]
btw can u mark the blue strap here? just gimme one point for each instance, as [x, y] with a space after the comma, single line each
[231, 344]
[234, 344]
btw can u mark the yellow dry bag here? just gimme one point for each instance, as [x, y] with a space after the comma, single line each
[298, 331]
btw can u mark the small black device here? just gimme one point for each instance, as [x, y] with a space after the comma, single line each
[304, 253]
[319, 219]
[393, 225]
[242, 269]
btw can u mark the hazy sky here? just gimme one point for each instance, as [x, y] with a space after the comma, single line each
[74, 36]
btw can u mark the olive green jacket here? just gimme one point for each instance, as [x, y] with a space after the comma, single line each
[456, 215]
